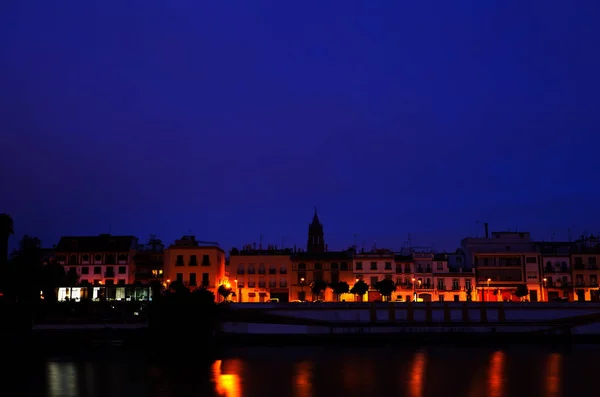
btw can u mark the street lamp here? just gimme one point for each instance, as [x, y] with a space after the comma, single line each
[488, 288]
[239, 290]
[302, 288]
[543, 286]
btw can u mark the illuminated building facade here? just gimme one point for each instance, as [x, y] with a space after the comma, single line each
[372, 267]
[257, 274]
[195, 264]
[99, 260]
[585, 261]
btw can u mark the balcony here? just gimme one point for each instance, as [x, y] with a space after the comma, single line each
[441, 287]
[425, 286]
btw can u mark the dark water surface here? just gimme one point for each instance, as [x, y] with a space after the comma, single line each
[328, 372]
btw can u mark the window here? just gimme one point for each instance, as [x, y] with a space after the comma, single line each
[335, 266]
[261, 268]
[441, 297]
[98, 258]
[318, 266]
[205, 260]
[373, 281]
[110, 271]
[73, 260]
[122, 269]
[283, 269]
[468, 284]
[193, 260]
[193, 279]
[531, 259]
[272, 269]
[282, 282]
[455, 284]
[97, 270]
[373, 265]
[240, 269]
[440, 265]
[272, 282]
[441, 284]
[110, 259]
[122, 258]
[180, 277]
[359, 266]
[85, 258]
[121, 281]
[179, 260]
[388, 265]
[85, 270]
[344, 266]
[205, 280]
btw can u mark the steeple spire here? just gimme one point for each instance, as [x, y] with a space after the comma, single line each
[315, 220]
[316, 241]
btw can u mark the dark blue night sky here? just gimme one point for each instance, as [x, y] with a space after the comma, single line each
[232, 119]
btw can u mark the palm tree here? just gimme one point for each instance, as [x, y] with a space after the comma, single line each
[6, 230]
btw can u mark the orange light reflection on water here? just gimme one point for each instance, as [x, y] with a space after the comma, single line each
[496, 375]
[303, 374]
[227, 385]
[553, 375]
[416, 381]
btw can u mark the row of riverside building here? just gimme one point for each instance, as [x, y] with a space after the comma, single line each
[488, 268]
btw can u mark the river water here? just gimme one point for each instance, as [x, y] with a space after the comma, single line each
[317, 371]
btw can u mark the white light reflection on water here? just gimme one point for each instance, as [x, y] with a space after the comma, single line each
[62, 379]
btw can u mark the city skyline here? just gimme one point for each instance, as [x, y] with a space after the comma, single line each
[355, 239]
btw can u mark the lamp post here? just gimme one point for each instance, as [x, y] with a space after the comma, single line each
[543, 286]
[488, 289]
[302, 288]
[239, 290]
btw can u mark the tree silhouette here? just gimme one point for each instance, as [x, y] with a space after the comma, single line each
[340, 288]
[386, 287]
[25, 271]
[6, 230]
[318, 287]
[522, 291]
[224, 291]
[203, 296]
[359, 288]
